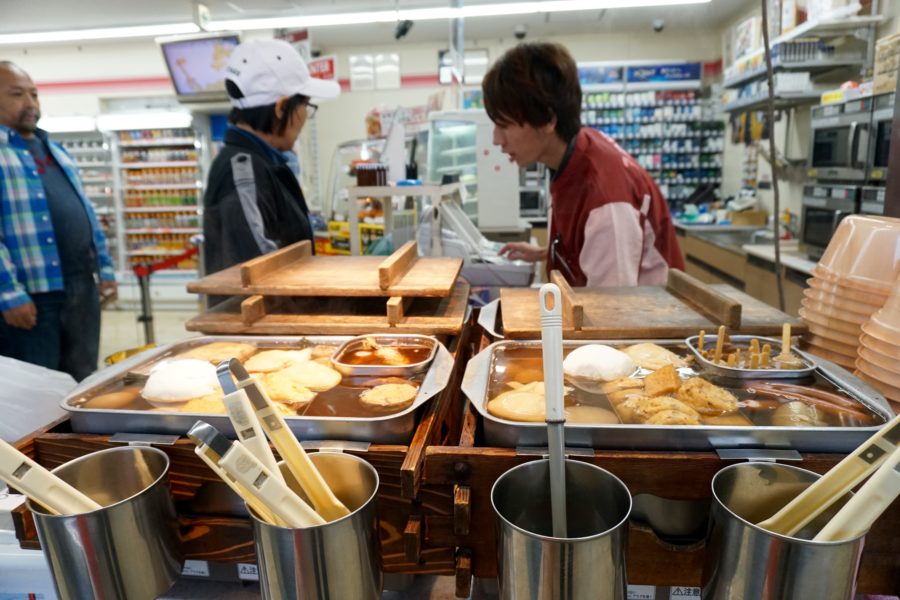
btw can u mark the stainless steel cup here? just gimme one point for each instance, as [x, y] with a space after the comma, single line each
[336, 561]
[589, 563]
[747, 562]
[130, 548]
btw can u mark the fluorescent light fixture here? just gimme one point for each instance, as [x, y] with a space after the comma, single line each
[148, 120]
[429, 14]
[108, 33]
[68, 124]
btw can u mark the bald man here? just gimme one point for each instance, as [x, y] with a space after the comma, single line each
[54, 262]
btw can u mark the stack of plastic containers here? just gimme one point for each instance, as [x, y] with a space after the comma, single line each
[878, 360]
[852, 282]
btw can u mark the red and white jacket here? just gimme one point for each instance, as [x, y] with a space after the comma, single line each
[609, 223]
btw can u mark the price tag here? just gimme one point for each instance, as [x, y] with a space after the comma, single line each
[641, 592]
[195, 568]
[680, 593]
[248, 572]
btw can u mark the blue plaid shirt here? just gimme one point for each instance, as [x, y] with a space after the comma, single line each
[29, 259]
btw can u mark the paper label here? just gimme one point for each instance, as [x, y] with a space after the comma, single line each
[195, 568]
[679, 593]
[641, 592]
[248, 572]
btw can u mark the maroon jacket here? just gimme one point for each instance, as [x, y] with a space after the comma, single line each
[609, 223]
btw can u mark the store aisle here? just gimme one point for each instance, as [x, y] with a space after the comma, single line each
[120, 329]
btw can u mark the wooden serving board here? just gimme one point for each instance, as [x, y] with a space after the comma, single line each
[337, 316]
[645, 312]
[293, 271]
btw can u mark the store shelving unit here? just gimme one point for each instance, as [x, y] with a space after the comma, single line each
[92, 152]
[805, 49]
[161, 179]
[671, 132]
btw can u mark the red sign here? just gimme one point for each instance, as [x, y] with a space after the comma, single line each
[324, 67]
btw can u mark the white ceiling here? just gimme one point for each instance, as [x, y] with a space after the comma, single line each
[49, 15]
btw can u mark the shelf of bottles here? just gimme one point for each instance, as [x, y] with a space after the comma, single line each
[671, 133]
[161, 180]
[92, 153]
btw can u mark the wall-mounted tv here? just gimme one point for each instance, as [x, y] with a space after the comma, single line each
[197, 65]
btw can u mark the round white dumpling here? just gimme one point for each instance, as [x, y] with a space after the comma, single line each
[181, 380]
[598, 362]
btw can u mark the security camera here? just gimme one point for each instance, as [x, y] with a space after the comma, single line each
[520, 31]
[402, 29]
[658, 25]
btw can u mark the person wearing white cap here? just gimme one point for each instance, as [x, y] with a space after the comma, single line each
[253, 202]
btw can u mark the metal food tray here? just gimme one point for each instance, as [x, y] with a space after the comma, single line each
[388, 340]
[397, 428]
[736, 373]
[504, 433]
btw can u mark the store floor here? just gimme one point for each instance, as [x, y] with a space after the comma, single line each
[120, 329]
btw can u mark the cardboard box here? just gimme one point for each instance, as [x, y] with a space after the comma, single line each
[749, 217]
[884, 84]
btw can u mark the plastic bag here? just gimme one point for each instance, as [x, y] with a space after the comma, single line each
[29, 397]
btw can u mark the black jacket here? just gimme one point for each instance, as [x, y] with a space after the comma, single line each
[230, 237]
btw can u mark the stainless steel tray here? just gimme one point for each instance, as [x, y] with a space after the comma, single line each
[388, 340]
[396, 428]
[736, 373]
[503, 433]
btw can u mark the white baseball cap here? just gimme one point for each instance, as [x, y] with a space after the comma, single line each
[266, 70]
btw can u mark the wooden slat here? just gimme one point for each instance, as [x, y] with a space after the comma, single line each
[428, 276]
[757, 317]
[464, 573]
[257, 268]
[252, 309]
[397, 264]
[462, 507]
[396, 309]
[412, 538]
[572, 309]
[721, 309]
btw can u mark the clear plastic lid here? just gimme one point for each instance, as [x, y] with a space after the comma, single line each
[876, 299]
[889, 351]
[845, 317]
[836, 325]
[864, 253]
[836, 303]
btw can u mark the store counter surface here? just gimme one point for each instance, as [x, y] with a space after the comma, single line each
[791, 255]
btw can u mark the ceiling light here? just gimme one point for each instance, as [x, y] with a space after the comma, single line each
[109, 33]
[68, 124]
[148, 120]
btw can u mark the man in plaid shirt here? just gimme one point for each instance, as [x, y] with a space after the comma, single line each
[52, 251]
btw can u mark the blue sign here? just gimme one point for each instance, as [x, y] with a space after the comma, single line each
[657, 73]
[593, 74]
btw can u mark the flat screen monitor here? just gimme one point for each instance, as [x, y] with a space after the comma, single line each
[197, 65]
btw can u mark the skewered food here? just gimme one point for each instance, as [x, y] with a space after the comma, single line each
[707, 398]
[651, 356]
[598, 362]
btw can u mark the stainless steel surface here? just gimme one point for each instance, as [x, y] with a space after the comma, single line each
[589, 563]
[388, 340]
[728, 240]
[747, 562]
[129, 548]
[735, 373]
[510, 434]
[397, 428]
[335, 561]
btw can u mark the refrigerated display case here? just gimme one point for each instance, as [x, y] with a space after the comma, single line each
[460, 145]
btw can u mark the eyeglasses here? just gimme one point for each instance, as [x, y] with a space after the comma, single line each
[311, 109]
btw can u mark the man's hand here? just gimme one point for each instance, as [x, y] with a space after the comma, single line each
[109, 292]
[23, 316]
[523, 251]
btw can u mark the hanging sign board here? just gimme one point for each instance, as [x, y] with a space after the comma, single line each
[663, 73]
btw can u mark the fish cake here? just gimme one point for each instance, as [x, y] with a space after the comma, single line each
[312, 375]
[283, 388]
[652, 356]
[389, 395]
[641, 408]
[275, 360]
[216, 352]
[526, 403]
[662, 382]
[707, 398]
[673, 417]
[590, 415]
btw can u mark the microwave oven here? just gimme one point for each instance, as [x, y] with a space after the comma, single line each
[839, 138]
[880, 143]
[824, 207]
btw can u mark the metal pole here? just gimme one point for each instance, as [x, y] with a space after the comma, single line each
[146, 316]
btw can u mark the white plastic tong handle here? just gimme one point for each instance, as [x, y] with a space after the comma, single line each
[551, 342]
[838, 481]
[42, 486]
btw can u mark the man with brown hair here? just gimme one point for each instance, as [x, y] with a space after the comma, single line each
[609, 224]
